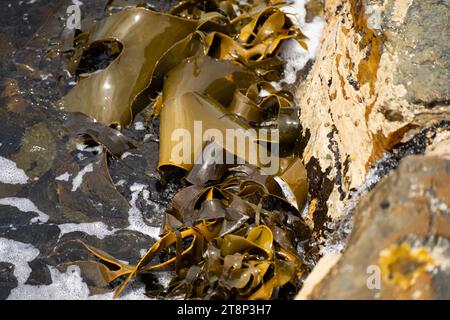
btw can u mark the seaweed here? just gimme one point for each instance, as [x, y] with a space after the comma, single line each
[232, 231]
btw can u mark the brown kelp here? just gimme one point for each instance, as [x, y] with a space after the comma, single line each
[110, 95]
[232, 231]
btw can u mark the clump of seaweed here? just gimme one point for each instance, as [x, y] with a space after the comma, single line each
[232, 232]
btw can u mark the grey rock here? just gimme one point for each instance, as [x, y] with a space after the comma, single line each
[7, 279]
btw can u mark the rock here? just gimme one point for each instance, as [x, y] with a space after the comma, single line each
[379, 85]
[417, 31]
[7, 279]
[320, 270]
[400, 244]
[40, 274]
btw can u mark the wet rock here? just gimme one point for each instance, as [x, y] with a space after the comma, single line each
[418, 33]
[37, 151]
[42, 236]
[89, 205]
[400, 244]
[13, 217]
[40, 274]
[7, 279]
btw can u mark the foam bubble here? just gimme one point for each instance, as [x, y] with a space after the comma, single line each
[76, 182]
[10, 173]
[69, 285]
[135, 217]
[294, 56]
[25, 205]
[63, 177]
[98, 229]
[19, 254]
[139, 125]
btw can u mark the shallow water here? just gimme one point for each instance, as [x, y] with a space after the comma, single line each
[52, 190]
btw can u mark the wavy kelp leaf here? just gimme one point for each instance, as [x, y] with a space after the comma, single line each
[109, 95]
[259, 238]
[265, 291]
[181, 115]
[222, 46]
[266, 23]
[258, 40]
[246, 279]
[195, 237]
[243, 176]
[193, 251]
[295, 177]
[283, 238]
[261, 102]
[246, 108]
[208, 76]
[113, 140]
[233, 233]
[187, 47]
[193, 205]
[210, 166]
[109, 267]
[288, 126]
[194, 8]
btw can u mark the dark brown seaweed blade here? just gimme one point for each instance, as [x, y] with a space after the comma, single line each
[114, 141]
[211, 166]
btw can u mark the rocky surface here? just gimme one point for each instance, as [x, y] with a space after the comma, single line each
[400, 244]
[377, 92]
[54, 188]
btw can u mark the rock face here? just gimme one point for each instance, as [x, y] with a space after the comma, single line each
[380, 79]
[377, 93]
[417, 31]
[400, 245]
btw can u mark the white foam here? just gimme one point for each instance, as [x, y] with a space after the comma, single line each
[120, 183]
[139, 125]
[76, 182]
[125, 154]
[263, 93]
[25, 205]
[19, 254]
[77, 2]
[69, 285]
[294, 56]
[82, 147]
[10, 173]
[63, 177]
[135, 217]
[98, 229]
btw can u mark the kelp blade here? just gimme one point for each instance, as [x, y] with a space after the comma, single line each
[110, 95]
